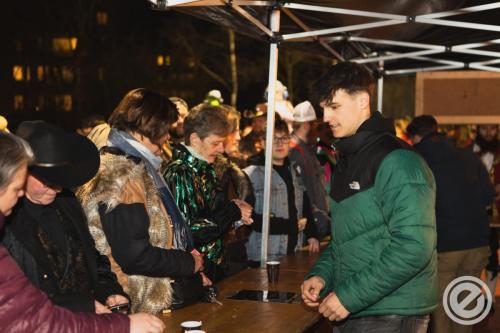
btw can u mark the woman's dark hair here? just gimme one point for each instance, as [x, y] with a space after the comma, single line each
[146, 112]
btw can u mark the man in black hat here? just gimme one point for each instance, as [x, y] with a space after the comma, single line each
[48, 234]
[252, 142]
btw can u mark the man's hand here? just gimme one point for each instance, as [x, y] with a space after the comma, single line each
[113, 300]
[313, 245]
[301, 223]
[205, 280]
[245, 210]
[332, 309]
[145, 323]
[100, 309]
[311, 289]
[198, 261]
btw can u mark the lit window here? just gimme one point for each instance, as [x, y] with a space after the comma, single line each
[67, 74]
[18, 102]
[64, 102]
[100, 73]
[159, 60]
[17, 73]
[102, 18]
[64, 45]
[40, 73]
[28, 73]
[74, 43]
[40, 105]
[167, 60]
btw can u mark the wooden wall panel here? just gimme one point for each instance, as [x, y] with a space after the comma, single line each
[461, 97]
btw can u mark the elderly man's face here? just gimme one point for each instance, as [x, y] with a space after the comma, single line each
[40, 193]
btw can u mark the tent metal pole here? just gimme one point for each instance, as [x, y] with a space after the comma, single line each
[252, 19]
[380, 87]
[398, 56]
[458, 24]
[462, 11]
[487, 62]
[422, 69]
[355, 27]
[304, 27]
[475, 45]
[326, 9]
[478, 52]
[271, 101]
[485, 68]
[435, 60]
[394, 43]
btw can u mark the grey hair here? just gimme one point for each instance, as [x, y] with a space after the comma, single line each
[14, 153]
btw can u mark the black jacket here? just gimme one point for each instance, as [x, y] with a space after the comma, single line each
[463, 190]
[21, 241]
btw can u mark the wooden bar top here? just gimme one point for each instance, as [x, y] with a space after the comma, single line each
[241, 316]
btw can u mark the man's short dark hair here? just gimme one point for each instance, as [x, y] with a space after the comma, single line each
[281, 126]
[422, 126]
[348, 76]
[205, 120]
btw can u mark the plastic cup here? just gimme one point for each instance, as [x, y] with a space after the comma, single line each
[273, 271]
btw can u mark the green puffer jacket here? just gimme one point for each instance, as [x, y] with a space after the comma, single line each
[382, 258]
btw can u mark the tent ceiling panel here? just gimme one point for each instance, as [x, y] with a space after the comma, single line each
[403, 33]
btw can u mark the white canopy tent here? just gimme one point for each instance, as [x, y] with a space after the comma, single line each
[472, 44]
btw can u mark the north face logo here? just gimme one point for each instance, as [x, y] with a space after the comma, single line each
[354, 186]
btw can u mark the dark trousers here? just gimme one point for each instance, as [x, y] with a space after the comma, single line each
[384, 324]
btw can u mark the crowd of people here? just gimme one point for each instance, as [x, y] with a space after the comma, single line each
[148, 211]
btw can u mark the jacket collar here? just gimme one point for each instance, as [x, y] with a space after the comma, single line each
[373, 125]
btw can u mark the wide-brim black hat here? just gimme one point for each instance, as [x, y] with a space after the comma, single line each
[61, 159]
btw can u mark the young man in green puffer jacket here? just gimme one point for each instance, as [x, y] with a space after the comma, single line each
[379, 273]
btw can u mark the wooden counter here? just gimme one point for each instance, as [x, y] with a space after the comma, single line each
[239, 316]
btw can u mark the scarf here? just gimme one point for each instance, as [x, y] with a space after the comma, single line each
[183, 239]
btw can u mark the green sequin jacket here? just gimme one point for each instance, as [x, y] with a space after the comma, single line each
[201, 200]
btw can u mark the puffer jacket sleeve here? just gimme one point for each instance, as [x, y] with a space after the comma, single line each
[23, 308]
[324, 268]
[405, 189]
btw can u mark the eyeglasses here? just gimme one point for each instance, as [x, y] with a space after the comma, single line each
[282, 140]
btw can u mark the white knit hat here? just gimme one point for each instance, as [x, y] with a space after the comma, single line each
[304, 112]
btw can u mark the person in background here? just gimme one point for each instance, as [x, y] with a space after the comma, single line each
[252, 142]
[4, 124]
[487, 147]
[234, 184]
[325, 153]
[379, 272]
[47, 232]
[290, 207]
[26, 308]
[192, 179]
[303, 154]
[177, 129]
[463, 191]
[132, 215]
[88, 123]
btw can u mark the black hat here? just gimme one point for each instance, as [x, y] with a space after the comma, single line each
[259, 111]
[61, 159]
